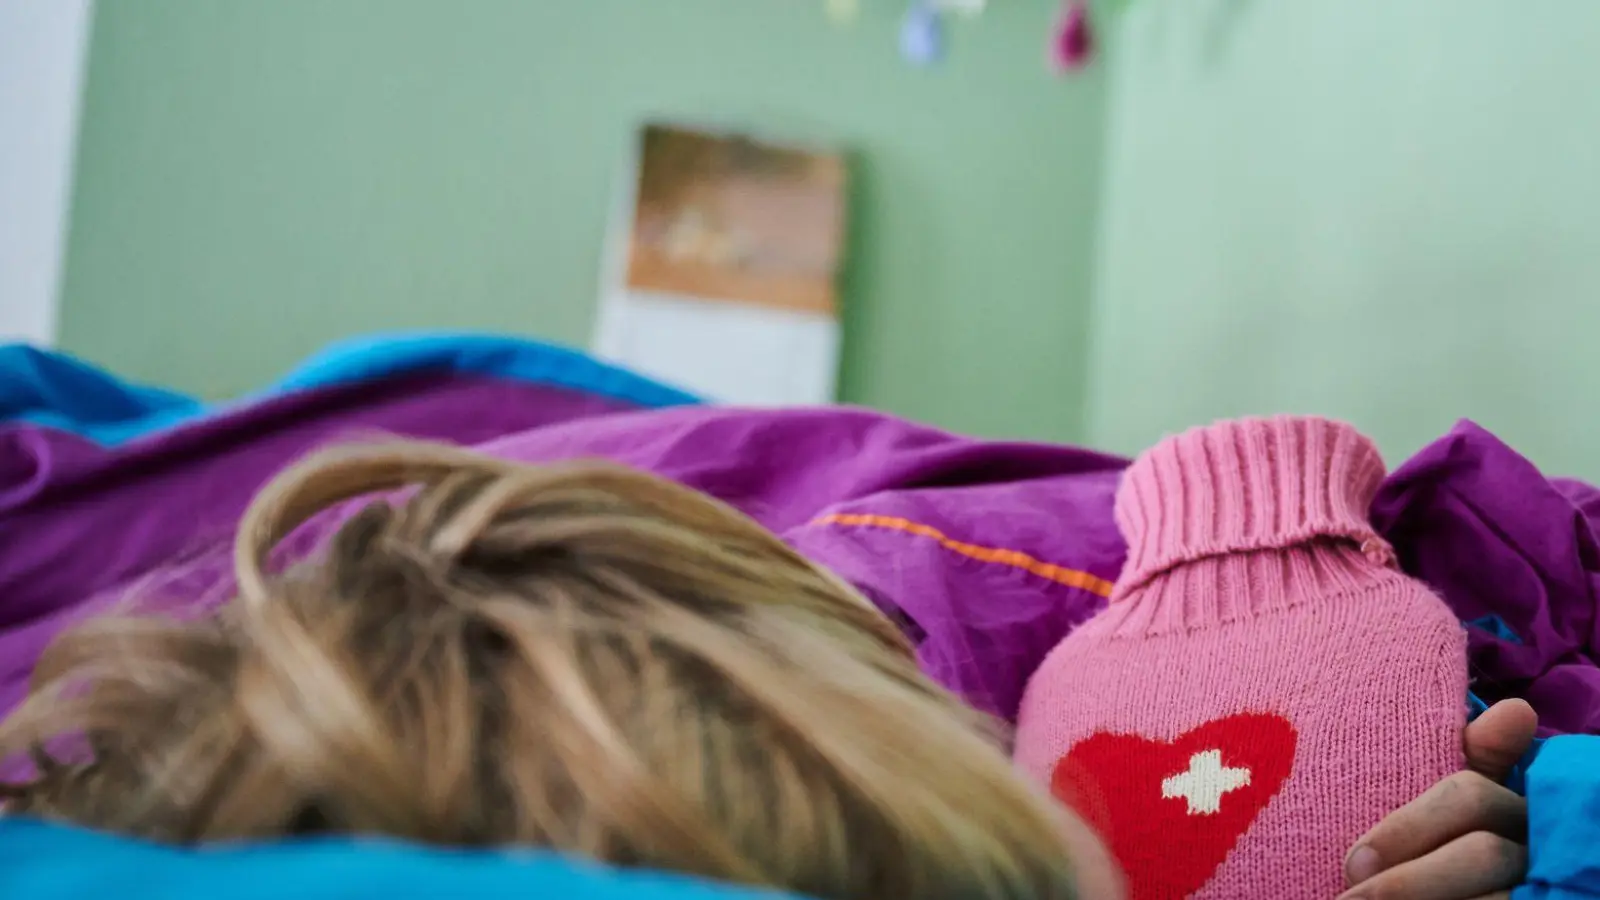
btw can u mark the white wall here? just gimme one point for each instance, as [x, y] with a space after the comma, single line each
[42, 53]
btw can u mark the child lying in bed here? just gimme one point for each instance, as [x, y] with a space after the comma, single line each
[577, 657]
[596, 661]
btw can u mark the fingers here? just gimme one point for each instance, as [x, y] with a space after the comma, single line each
[1497, 739]
[1464, 837]
[1453, 809]
[1476, 865]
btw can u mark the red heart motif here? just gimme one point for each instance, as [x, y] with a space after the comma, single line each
[1172, 811]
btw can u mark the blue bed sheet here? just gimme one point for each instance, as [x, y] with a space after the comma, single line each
[48, 862]
[55, 390]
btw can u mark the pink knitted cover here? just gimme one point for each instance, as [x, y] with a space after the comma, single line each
[1265, 686]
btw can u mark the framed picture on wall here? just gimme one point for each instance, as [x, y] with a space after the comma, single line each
[725, 271]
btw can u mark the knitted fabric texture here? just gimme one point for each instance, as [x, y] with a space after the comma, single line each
[1264, 686]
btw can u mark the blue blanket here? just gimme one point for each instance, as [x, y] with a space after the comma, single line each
[43, 862]
[53, 389]
[1564, 821]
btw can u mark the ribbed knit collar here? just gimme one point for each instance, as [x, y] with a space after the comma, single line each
[1247, 485]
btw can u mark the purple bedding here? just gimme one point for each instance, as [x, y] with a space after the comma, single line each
[987, 553]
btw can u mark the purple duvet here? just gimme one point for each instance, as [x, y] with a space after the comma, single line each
[986, 553]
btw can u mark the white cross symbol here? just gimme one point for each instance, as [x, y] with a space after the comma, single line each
[1204, 783]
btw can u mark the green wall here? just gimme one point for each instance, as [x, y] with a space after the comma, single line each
[256, 178]
[1387, 212]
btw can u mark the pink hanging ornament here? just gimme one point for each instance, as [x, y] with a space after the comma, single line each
[1072, 44]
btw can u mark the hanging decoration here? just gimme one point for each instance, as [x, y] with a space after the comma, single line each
[842, 13]
[1072, 43]
[922, 34]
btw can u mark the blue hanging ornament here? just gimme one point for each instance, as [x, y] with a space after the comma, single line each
[922, 34]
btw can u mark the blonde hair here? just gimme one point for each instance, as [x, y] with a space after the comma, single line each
[578, 656]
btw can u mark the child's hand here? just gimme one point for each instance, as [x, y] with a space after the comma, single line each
[1466, 837]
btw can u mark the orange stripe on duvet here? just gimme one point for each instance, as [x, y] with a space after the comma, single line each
[998, 555]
